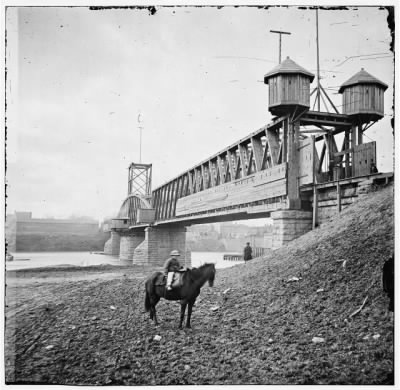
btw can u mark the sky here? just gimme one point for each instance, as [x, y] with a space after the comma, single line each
[80, 82]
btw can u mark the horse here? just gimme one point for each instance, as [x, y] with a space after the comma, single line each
[192, 281]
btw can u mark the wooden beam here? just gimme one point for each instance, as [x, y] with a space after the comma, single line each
[344, 152]
[199, 179]
[163, 201]
[347, 156]
[360, 134]
[250, 163]
[243, 156]
[258, 152]
[293, 191]
[264, 163]
[175, 198]
[203, 176]
[285, 141]
[212, 173]
[321, 160]
[273, 145]
[190, 182]
[330, 101]
[280, 153]
[227, 165]
[326, 122]
[338, 197]
[220, 170]
[232, 158]
[238, 166]
[171, 198]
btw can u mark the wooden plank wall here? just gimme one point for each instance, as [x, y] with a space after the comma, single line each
[363, 156]
[306, 156]
[271, 182]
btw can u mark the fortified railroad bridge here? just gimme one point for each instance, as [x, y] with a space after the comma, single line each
[290, 170]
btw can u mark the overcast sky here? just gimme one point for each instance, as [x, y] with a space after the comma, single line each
[78, 80]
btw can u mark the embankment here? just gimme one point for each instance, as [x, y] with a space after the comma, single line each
[286, 318]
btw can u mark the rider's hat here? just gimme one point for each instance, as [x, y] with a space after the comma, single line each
[175, 253]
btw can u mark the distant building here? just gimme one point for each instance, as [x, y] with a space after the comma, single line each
[196, 232]
[27, 234]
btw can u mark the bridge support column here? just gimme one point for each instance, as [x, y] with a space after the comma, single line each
[293, 166]
[129, 242]
[158, 244]
[289, 225]
[111, 247]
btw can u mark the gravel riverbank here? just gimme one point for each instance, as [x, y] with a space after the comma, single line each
[282, 319]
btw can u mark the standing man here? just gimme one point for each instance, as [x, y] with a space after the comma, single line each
[247, 252]
[171, 265]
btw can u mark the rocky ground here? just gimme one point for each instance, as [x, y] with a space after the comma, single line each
[288, 318]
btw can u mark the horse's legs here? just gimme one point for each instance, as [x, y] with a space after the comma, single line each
[189, 314]
[183, 308]
[153, 314]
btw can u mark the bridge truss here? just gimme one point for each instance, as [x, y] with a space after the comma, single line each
[263, 171]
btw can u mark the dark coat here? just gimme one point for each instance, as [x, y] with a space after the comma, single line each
[247, 253]
[172, 264]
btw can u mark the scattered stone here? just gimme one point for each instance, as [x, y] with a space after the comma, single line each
[366, 337]
[50, 347]
[94, 318]
[227, 290]
[72, 327]
[320, 290]
[293, 279]
[113, 308]
[157, 337]
[215, 308]
[376, 336]
[270, 340]
[318, 340]
[187, 367]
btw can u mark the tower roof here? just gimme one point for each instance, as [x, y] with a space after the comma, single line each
[362, 77]
[288, 66]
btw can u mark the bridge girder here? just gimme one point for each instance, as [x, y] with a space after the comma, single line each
[263, 151]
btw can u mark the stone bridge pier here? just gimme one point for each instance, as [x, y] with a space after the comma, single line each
[158, 243]
[151, 246]
[289, 225]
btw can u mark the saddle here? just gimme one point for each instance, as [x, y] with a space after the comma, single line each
[177, 280]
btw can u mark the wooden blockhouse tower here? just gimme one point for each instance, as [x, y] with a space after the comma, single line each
[289, 87]
[362, 97]
[321, 147]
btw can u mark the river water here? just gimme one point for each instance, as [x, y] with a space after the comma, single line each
[25, 260]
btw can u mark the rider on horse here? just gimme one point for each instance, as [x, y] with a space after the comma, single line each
[171, 265]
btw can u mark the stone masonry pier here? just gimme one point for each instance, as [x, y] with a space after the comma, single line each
[289, 225]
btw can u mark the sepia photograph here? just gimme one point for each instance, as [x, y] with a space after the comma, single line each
[199, 195]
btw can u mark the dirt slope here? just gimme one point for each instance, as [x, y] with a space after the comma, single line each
[96, 331]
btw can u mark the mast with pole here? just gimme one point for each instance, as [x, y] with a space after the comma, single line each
[140, 138]
[280, 41]
[318, 77]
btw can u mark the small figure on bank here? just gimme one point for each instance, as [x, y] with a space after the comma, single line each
[374, 169]
[247, 255]
[170, 266]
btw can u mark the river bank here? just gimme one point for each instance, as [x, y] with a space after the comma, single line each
[312, 312]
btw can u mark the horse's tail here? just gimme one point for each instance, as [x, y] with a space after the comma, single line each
[147, 304]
